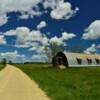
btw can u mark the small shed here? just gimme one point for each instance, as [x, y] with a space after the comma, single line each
[76, 59]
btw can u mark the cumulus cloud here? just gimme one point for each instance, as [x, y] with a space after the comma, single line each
[91, 49]
[39, 49]
[13, 56]
[2, 40]
[30, 8]
[30, 14]
[39, 54]
[67, 36]
[25, 6]
[33, 48]
[60, 41]
[56, 40]
[41, 25]
[93, 31]
[50, 3]
[39, 58]
[10, 33]
[63, 10]
[24, 16]
[27, 38]
[45, 41]
[14, 5]
[60, 9]
[3, 19]
[98, 46]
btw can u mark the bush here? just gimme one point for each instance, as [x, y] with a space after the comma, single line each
[4, 62]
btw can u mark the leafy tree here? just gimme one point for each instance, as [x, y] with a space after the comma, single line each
[4, 61]
[55, 48]
[52, 50]
[47, 53]
[10, 62]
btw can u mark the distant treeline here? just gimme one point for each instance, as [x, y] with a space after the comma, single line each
[35, 63]
[25, 63]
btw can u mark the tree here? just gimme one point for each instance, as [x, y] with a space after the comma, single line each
[52, 50]
[55, 48]
[10, 62]
[4, 61]
[47, 53]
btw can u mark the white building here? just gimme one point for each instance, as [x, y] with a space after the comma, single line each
[76, 59]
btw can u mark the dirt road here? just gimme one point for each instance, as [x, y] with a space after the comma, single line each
[16, 85]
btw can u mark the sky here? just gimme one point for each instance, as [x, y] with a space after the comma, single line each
[27, 27]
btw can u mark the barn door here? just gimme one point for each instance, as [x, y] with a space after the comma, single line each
[60, 61]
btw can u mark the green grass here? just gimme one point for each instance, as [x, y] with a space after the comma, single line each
[68, 84]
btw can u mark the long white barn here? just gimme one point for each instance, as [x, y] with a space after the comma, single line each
[76, 59]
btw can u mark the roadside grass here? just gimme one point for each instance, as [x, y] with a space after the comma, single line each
[67, 84]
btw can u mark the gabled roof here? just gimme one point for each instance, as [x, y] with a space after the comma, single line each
[82, 55]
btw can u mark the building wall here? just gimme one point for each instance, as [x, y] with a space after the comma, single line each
[72, 59]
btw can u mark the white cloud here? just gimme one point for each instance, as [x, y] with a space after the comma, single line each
[24, 16]
[10, 33]
[27, 38]
[24, 6]
[98, 46]
[33, 48]
[30, 8]
[39, 58]
[41, 25]
[14, 5]
[45, 41]
[56, 40]
[30, 14]
[50, 3]
[13, 56]
[91, 49]
[2, 40]
[60, 41]
[38, 49]
[67, 36]
[3, 19]
[93, 31]
[63, 10]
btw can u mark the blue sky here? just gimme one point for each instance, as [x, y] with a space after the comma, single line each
[26, 28]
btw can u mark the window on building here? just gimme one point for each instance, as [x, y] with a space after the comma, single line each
[89, 61]
[97, 61]
[79, 61]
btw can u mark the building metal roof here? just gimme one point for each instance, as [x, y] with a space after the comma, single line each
[82, 55]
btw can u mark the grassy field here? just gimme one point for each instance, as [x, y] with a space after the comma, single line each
[68, 84]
